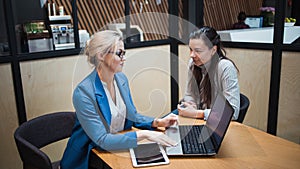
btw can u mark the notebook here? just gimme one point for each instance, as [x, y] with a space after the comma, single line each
[202, 139]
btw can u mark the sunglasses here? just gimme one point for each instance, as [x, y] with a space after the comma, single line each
[120, 53]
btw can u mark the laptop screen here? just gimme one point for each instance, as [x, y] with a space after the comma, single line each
[254, 21]
[219, 119]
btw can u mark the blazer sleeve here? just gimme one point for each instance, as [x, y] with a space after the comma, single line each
[94, 127]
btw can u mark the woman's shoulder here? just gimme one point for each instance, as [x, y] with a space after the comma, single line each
[121, 75]
[88, 81]
[225, 63]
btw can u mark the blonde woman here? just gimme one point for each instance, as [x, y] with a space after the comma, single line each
[104, 106]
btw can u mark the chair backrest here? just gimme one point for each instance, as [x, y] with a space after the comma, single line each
[39, 132]
[244, 105]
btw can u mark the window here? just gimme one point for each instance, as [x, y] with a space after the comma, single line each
[4, 47]
[43, 26]
[148, 18]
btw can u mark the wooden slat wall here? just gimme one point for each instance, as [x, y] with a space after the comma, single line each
[150, 23]
[93, 15]
[222, 14]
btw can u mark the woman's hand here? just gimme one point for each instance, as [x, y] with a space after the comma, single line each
[155, 136]
[189, 109]
[167, 121]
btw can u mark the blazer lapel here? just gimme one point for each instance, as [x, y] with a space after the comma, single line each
[102, 100]
[121, 83]
[124, 91]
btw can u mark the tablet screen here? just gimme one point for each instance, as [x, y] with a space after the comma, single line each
[148, 154]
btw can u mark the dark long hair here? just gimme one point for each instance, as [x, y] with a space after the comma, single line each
[206, 89]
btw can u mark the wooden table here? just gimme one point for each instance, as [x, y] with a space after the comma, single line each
[243, 147]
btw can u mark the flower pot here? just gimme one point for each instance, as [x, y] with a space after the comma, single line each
[268, 18]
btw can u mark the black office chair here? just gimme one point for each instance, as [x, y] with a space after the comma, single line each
[244, 105]
[39, 132]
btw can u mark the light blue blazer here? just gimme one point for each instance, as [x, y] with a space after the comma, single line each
[93, 119]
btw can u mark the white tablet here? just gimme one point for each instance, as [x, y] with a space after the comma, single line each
[148, 154]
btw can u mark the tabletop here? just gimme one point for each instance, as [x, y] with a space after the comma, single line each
[242, 147]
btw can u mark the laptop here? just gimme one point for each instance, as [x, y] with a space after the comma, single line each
[202, 140]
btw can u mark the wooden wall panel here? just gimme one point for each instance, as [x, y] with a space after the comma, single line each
[254, 81]
[9, 120]
[47, 85]
[289, 97]
[149, 80]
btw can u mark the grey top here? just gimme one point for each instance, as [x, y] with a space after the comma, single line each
[226, 80]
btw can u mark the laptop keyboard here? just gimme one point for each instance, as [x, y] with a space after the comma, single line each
[192, 142]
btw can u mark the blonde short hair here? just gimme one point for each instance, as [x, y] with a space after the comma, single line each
[101, 42]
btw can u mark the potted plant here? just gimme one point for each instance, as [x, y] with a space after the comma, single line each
[268, 15]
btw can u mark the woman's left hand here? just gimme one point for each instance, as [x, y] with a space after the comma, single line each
[189, 109]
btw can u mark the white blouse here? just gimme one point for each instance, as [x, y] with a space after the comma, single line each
[118, 110]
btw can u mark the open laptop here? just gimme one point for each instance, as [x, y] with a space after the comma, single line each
[202, 139]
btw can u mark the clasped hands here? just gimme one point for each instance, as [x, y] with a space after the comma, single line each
[189, 109]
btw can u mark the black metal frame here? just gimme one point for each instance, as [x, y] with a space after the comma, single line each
[15, 66]
[276, 67]
[196, 7]
[173, 36]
